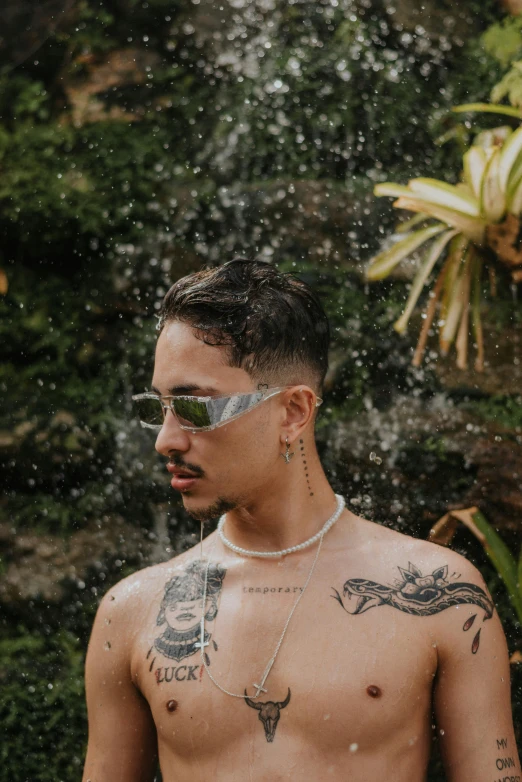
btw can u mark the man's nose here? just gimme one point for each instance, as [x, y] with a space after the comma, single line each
[171, 436]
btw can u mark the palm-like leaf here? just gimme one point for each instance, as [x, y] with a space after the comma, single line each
[492, 196]
[505, 563]
[448, 196]
[472, 227]
[424, 272]
[508, 157]
[489, 108]
[475, 161]
[383, 263]
[491, 190]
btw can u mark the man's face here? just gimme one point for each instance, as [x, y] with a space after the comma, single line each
[235, 462]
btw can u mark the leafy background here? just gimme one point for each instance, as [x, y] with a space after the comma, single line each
[143, 140]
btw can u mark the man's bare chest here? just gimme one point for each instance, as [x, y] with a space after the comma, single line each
[338, 678]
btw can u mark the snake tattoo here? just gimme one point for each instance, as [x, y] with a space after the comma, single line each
[416, 594]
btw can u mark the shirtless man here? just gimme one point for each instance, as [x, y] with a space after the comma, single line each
[387, 628]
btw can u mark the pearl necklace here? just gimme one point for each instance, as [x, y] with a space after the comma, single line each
[202, 643]
[268, 554]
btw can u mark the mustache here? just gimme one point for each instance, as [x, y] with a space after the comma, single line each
[183, 466]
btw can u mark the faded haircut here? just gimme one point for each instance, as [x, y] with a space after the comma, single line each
[271, 323]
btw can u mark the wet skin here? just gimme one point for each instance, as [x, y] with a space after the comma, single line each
[355, 681]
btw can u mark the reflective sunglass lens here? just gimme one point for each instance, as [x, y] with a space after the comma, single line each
[191, 412]
[150, 411]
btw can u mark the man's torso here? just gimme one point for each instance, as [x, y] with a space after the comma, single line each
[349, 695]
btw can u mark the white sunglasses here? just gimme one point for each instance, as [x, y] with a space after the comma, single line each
[200, 413]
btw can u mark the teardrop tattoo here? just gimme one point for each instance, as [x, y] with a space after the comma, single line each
[469, 622]
[303, 456]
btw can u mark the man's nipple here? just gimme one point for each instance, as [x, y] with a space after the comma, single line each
[374, 691]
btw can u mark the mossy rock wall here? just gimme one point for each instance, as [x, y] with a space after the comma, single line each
[140, 142]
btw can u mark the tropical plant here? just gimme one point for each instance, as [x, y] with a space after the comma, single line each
[471, 226]
[506, 565]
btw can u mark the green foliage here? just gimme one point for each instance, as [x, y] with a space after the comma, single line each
[65, 387]
[27, 99]
[510, 86]
[508, 567]
[503, 409]
[42, 707]
[64, 188]
[183, 167]
[94, 29]
[503, 40]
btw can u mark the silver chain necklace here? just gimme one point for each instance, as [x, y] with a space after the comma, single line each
[261, 686]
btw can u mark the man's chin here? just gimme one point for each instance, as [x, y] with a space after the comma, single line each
[209, 511]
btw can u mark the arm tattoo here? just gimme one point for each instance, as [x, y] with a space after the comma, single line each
[505, 762]
[416, 594]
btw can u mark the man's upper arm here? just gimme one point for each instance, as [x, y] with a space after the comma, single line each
[122, 737]
[472, 695]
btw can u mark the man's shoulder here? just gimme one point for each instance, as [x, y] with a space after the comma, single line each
[414, 576]
[137, 588]
[404, 551]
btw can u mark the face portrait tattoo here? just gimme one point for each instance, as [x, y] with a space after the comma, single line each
[180, 610]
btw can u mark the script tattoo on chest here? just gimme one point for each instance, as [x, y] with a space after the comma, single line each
[416, 594]
[179, 617]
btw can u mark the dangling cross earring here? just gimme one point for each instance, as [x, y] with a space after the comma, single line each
[287, 455]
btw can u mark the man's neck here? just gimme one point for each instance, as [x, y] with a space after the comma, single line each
[280, 519]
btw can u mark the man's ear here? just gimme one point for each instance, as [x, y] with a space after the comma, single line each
[300, 405]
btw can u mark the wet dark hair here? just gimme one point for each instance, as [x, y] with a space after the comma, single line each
[272, 323]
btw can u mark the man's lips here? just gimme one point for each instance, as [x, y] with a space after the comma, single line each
[182, 479]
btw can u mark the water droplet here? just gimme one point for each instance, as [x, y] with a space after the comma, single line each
[107, 646]
[441, 731]
[354, 747]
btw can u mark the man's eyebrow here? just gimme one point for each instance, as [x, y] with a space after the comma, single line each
[189, 389]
